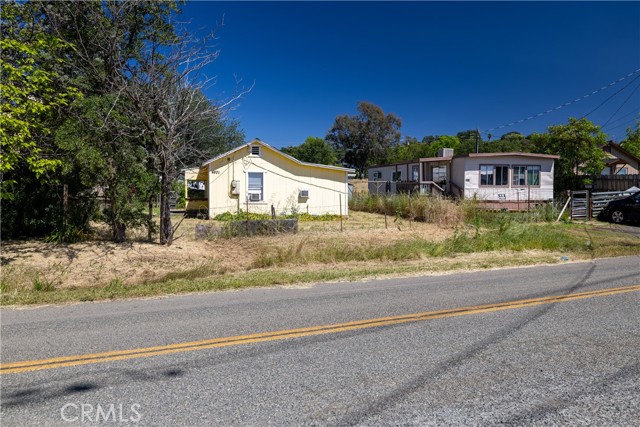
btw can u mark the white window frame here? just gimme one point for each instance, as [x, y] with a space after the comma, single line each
[527, 170]
[494, 175]
[415, 172]
[255, 190]
[441, 173]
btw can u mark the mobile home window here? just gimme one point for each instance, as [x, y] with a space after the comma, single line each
[256, 186]
[533, 175]
[415, 173]
[377, 176]
[439, 173]
[519, 176]
[526, 175]
[486, 174]
[396, 176]
[494, 175]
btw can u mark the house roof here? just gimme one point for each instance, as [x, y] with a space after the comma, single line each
[484, 155]
[264, 144]
[436, 159]
[514, 153]
[610, 147]
[405, 162]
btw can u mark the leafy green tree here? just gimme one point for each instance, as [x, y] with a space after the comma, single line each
[131, 53]
[578, 143]
[411, 149]
[96, 138]
[365, 138]
[509, 142]
[444, 141]
[313, 150]
[33, 92]
[99, 137]
[632, 142]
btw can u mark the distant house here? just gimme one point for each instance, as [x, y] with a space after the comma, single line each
[258, 178]
[619, 161]
[511, 181]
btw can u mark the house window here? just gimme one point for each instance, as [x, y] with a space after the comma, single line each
[439, 173]
[502, 175]
[415, 173]
[519, 176]
[196, 190]
[526, 175]
[533, 175]
[255, 150]
[494, 175]
[377, 176]
[396, 176]
[623, 171]
[256, 189]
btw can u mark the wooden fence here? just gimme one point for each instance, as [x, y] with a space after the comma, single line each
[606, 182]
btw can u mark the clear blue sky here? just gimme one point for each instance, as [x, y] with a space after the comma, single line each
[442, 67]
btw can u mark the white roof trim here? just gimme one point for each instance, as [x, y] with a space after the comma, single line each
[264, 144]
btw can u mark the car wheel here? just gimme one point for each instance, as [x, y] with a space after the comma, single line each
[617, 217]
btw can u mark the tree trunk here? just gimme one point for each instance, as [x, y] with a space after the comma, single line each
[118, 228]
[150, 220]
[166, 229]
[119, 231]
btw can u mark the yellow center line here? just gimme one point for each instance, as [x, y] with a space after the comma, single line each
[59, 362]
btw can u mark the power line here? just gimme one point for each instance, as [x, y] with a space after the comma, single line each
[606, 100]
[623, 117]
[566, 104]
[622, 105]
[623, 124]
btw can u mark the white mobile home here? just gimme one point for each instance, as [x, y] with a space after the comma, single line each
[511, 181]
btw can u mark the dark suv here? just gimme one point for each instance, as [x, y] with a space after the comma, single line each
[621, 210]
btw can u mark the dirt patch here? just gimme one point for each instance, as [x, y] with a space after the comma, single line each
[98, 263]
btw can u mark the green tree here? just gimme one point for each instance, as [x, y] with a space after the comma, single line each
[313, 150]
[365, 138]
[96, 138]
[578, 143]
[131, 54]
[33, 92]
[99, 136]
[632, 142]
[411, 149]
[509, 142]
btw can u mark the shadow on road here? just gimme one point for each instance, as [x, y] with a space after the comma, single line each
[109, 377]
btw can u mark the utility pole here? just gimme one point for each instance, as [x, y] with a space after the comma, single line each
[477, 140]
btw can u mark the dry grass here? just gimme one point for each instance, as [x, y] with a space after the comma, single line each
[100, 262]
[37, 272]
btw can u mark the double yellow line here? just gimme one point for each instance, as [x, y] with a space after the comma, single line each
[110, 356]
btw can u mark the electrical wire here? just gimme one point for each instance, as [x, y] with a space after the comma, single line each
[621, 105]
[607, 100]
[623, 124]
[623, 117]
[566, 104]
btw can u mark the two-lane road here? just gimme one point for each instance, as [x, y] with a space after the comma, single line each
[530, 346]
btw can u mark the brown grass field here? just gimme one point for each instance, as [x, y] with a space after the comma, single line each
[100, 262]
[319, 251]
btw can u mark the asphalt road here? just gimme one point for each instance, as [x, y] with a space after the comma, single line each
[559, 362]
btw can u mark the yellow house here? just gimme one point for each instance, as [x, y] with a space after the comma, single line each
[258, 178]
